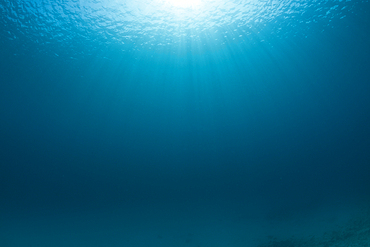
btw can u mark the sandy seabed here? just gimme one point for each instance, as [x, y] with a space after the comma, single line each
[355, 233]
[152, 227]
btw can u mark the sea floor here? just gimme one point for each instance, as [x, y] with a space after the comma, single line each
[339, 226]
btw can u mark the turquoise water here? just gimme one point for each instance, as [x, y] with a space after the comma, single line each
[184, 123]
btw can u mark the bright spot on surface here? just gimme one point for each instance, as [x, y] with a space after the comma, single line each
[184, 3]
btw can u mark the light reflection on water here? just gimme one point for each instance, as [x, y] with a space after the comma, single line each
[150, 23]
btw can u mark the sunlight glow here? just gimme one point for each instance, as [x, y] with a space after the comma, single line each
[184, 3]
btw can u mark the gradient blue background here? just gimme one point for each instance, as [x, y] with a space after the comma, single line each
[117, 130]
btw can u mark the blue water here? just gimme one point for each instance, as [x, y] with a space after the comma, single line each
[192, 123]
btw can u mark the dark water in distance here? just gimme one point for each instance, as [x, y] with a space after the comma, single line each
[198, 123]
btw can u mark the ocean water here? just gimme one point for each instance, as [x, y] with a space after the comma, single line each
[199, 123]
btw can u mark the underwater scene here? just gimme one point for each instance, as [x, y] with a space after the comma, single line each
[184, 123]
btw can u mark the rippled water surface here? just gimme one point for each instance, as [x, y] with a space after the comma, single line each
[151, 23]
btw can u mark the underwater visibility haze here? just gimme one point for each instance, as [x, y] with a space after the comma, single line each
[198, 123]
